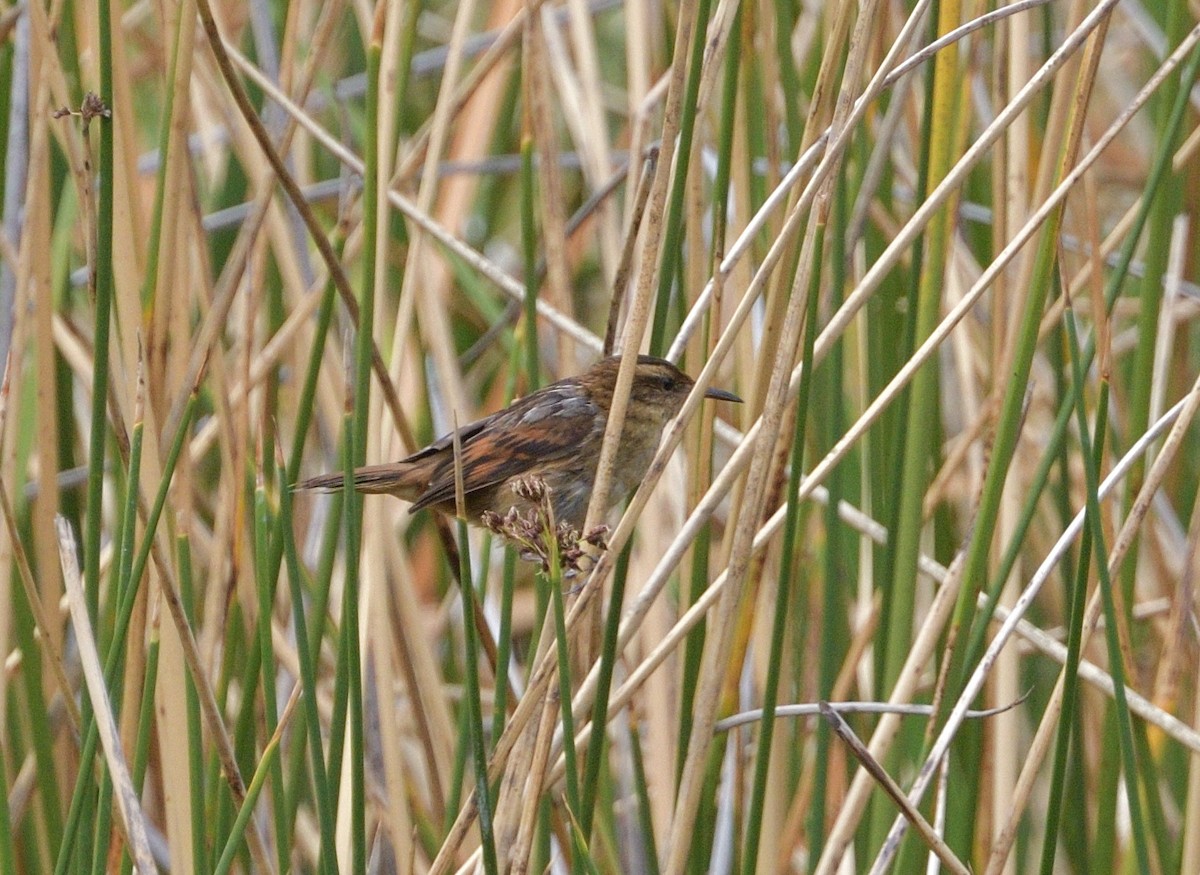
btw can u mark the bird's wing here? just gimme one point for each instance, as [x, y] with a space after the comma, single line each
[548, 425]
[446, 442]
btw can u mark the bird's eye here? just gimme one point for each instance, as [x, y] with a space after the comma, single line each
[667, 382]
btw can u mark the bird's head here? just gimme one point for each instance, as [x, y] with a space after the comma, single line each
[659, 388]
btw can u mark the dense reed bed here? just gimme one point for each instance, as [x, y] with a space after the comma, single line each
[942, 250]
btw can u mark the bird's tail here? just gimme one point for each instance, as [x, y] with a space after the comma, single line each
[394, 479]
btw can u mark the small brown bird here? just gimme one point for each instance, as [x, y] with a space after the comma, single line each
[553, 434]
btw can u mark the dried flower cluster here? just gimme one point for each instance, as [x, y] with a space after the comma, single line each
[529, 531]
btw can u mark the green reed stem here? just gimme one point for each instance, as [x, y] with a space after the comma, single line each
[8, 856]
[154, 241]
[608, 658]
[1164, 205]
[269, 761]
[474, 707]
[103, 278]
[1116, 280]
[113, 661]
[102, 284]
[305, 651]
[554, 581]
[196, 783]
[504, 642]
[642, 788]
[145, 728]
[356, 453]
[839, 548]
[672, 240]
[1094, 521]
[791, 537]
[266, 600]
[1070, 670]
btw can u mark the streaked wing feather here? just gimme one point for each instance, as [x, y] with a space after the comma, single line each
[446, 442]
[548, 425]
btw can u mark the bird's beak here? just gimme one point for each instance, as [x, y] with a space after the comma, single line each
[722, 395]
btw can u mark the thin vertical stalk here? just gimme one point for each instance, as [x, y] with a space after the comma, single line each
[357, 447]
[101, 281]
[102, 278]
[462, 751]
[1164, 204]
[923, 392]
[553, 581]
[195, 737]
[832, 622]
[789, 77]
[693, 647]
[1115, 659]
[672, 240]
[885, 450]
[1017, 380]
[327, 861]
[268, 762]
[791, 536]
[643, 800]
[122, 583]
[283, 539]
[154, 242]
[473, 705]
[145, 727]
[102, 831]
[608, 656]
[1118, 274]
[503, 644]
[508, 576]
[919, 442]
[265, 590]
[127, 536]
[113, 660]
[8, 857]
[529, 251]
[1070, 670]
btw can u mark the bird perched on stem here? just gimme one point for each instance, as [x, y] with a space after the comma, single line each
[553, 434]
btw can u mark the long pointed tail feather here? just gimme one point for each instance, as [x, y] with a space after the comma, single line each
[323, 483]
[404, 481]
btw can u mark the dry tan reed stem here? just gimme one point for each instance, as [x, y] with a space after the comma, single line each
[129, 808]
